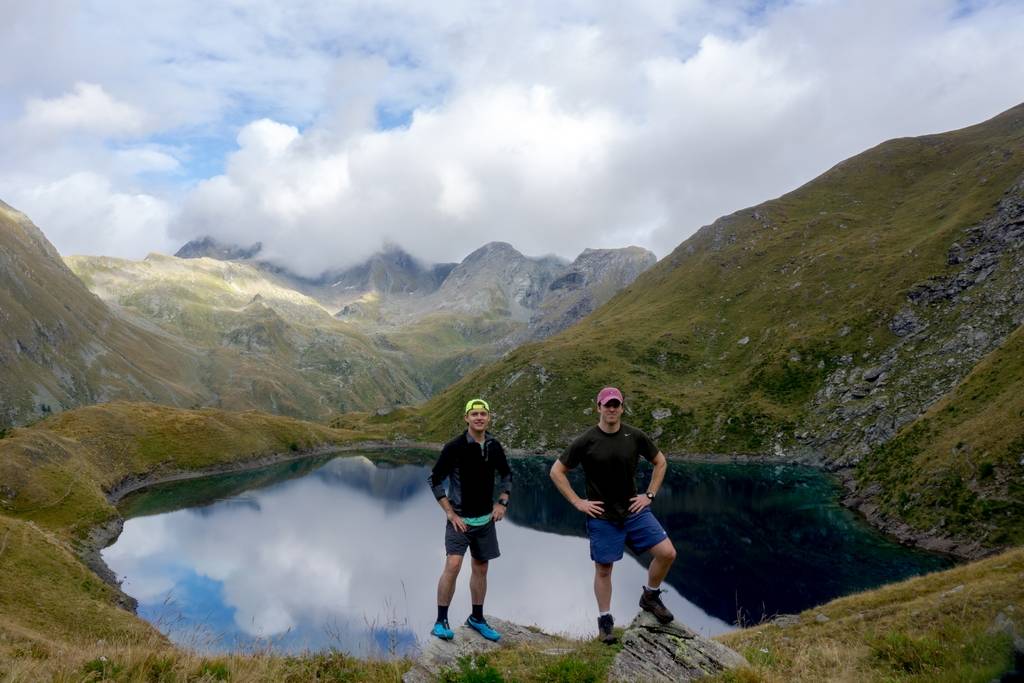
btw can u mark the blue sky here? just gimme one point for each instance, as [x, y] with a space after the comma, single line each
[325, 129]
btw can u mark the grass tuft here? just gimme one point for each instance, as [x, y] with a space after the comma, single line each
[472, 669]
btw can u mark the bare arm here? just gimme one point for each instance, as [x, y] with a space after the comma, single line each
[456, 521]
[587, 507]
[660, 462]
[499, 509]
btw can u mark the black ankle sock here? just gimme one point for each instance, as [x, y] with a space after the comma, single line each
[478, 612]
[442, 612]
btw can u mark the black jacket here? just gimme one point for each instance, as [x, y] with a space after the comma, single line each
[469, 468]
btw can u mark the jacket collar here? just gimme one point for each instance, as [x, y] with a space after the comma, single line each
[469, 437]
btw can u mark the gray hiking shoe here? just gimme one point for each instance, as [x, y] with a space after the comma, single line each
[651, 602]
[605, 624]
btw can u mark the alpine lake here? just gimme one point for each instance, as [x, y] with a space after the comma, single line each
[344, 552]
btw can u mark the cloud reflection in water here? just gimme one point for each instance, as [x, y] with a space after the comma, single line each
[349, 557]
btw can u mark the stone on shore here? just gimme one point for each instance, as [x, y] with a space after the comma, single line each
[438, 654]
[657, 652]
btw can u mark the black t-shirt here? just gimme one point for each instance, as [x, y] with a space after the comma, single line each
[609, 465]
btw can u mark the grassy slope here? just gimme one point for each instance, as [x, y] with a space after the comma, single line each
[56, 472]
[265, 345]
[958, 468]
[440, 348]
[60, 346]
[57, 618]
[787, 276]
[933, 628]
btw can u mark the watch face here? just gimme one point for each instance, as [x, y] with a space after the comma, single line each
[650, 495]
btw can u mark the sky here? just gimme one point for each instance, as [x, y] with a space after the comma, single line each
[326, 130]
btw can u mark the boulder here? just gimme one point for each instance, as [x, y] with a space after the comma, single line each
[669, 652]
[438, 654]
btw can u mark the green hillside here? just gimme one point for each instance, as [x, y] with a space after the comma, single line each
[60, 346]
[263, 345]
[959, 469]
[56, 472]
[737, 329]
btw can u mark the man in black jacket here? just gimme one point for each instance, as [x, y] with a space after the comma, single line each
[469, 463]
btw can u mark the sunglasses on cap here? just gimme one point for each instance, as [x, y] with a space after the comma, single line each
[477, 404]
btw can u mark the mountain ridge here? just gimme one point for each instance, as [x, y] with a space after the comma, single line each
[61, 346]
[435, 332]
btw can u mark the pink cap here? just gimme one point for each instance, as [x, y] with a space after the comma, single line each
[607, 394]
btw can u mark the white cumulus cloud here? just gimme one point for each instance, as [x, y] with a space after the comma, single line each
[87, 108]
[324, 129]
[85, 215]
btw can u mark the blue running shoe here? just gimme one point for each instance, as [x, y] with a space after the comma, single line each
[442, 630]
[483, 628]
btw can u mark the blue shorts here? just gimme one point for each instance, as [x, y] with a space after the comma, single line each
[641, 531]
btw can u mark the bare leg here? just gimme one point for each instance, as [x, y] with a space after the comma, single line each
[664, 555]
[478, 581]
[603, 586]
[446, 584]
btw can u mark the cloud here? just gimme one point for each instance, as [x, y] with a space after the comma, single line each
[553, 126]
[133, 161]
[495, 164]
[85, 215]
[88, 108]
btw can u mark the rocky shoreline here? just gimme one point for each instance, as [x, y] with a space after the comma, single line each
[862, 503]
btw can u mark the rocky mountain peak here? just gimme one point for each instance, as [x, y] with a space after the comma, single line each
[392, 270]
[492, 249]
[588, 282]
[498, 277]
[614, 267]
[212, 248]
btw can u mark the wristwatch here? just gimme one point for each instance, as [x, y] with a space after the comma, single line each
[650, 496]
[503, 503]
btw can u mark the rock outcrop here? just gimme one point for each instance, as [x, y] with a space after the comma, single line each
[438, 655]
[948, 323]
[390, 271]
[208, 247]
[657, 652]
[592, 279]
[496, 277]
[651, 652]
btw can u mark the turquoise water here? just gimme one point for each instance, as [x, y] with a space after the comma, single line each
[345, 553]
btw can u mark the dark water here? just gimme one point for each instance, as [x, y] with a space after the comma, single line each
[343, 553]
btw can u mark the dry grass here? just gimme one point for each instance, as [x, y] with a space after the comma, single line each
[938, 627]
[155, 660]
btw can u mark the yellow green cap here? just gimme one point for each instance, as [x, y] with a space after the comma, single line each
[476, 403]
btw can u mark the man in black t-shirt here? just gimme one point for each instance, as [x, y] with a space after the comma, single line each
[617, 516]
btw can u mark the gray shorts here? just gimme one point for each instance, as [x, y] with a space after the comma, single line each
[482, 541]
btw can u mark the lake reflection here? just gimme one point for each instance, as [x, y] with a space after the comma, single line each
[346, 554]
